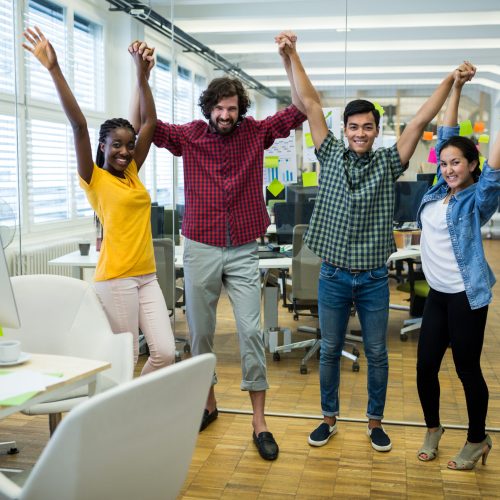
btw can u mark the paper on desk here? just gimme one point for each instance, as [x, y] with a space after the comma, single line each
[23, 382]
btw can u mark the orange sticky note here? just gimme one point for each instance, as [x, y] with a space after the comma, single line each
[479, 127]
[427, 135]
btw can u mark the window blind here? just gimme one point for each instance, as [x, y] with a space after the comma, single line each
[7, 53]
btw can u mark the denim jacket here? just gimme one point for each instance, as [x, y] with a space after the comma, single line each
[467, 211]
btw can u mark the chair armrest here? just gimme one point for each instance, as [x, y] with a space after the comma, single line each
[8, 489]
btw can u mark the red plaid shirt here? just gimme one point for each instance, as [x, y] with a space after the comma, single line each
[223, 175]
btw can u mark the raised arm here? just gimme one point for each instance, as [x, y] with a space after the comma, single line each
[494, 159]
[461, 75]
[409, 138]
[147, 54]
[306, 92]
[146, 106]
[42, 49]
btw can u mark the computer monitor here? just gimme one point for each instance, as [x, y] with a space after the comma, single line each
[9, 316]
[409, 194]
[429, 178]
[157, 220]
[296, 193]
[287, 216]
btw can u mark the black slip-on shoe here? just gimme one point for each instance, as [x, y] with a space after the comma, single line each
[208, 418]
[267, 446]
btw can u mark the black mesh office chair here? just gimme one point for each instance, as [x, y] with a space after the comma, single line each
[304, 298]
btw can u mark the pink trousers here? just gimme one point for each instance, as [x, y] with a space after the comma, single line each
[138, 302]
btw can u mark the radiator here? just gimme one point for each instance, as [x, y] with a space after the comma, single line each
[34, 259]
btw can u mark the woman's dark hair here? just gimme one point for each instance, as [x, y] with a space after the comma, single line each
[468, 149]
[361, 106]
[221, 88]
[104, 131]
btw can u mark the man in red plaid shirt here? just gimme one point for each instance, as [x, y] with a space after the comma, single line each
[225, 212]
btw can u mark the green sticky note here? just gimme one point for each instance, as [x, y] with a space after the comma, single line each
[309, 179]
[379, 108]
[466, 128]
[271, 161]
[309, 140]
[1, 331]
[481, 162]
[275, 187]
[484, 139]
[19, 399]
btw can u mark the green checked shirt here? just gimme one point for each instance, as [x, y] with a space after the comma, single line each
[351, 225]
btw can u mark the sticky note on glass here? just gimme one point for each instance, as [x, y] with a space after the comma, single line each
[427, 135]
[309, 140]
[481, 162]
[309, 179]
[271, 161]
[379, 108]
[484, 139]
[466, 128]
[275, 187]
[479, 127]
[432, 156]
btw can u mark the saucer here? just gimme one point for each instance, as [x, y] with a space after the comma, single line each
[22, 359]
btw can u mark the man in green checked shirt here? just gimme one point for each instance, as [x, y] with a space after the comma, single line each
[351, 230]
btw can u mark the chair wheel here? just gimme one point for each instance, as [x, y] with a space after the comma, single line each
[303, 370]
[187, 348]
[355, 352]
[355, 367]
[404, 337]
[318, 354]
[178, 357]
[276, 356]
[13, 451]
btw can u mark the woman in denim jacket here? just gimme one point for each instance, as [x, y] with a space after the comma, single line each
[451, 215]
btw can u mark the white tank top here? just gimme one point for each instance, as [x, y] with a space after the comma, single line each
[438, 259]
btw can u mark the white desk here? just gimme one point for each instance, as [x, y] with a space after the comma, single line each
[76, 372]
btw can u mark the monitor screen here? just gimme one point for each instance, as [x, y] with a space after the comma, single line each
[287, 216]
[9, 316]
[296, 193]
[409, 194]
[429, 178]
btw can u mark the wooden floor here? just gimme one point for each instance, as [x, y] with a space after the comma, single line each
[227, 465]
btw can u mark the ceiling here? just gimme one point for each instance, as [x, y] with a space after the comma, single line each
[389, 44]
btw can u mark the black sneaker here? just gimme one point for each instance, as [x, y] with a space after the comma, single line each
[380, 440]
[322, 434]
[208, 418]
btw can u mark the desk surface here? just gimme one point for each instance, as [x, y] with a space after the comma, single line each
[76, 372]
[74, 259]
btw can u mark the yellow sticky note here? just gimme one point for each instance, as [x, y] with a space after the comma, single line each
[484, 139]
[271, 161]
[309, 140]
[481, 162]
[275, 187]
[379, 108]
[1, 331]
[309, 179]
[466, 128]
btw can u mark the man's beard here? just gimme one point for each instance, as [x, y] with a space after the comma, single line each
[224, 131]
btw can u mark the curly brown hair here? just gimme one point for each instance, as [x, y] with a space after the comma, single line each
[221, 88]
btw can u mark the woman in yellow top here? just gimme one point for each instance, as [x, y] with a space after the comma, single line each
[126, 273]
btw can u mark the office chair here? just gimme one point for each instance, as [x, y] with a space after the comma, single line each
[419, 290]
[134, 441]
[62, 315]
[304, 298]
[167, 276]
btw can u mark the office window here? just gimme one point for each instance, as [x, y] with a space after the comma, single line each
[200, 84]
[7, 60]
[52, 183]
[8, 161]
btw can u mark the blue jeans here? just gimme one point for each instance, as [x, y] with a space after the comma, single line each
[369, 290]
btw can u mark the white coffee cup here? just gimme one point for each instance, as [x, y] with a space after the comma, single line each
[10, 351]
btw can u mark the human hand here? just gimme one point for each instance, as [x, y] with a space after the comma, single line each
[286, 41]
[464, 73]
[140, 50]
[40, 47]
